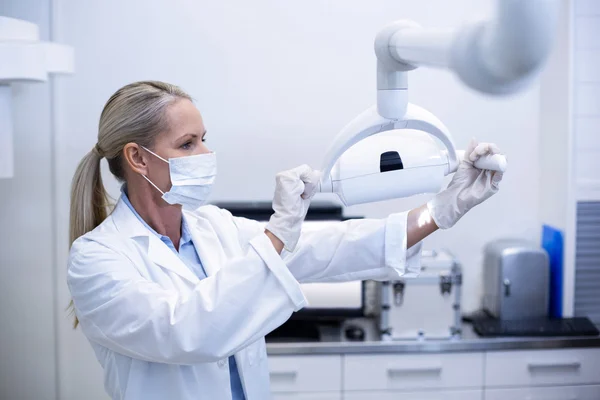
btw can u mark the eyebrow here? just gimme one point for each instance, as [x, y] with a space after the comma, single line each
[187, 136]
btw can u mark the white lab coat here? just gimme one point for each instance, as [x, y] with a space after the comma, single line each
[161, 333]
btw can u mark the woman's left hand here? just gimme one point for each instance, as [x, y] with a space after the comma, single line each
[293, 192]
[469, 187]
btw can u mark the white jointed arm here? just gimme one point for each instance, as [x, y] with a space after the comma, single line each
[495, 56]
[498, 56]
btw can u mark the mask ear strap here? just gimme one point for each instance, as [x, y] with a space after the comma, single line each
[161, 192]
[154, 154]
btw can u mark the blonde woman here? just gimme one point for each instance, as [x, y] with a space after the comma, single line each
[176, 296]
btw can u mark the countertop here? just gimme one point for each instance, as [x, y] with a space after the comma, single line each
[467, 343]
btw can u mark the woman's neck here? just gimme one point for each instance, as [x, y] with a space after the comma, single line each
[164, 218]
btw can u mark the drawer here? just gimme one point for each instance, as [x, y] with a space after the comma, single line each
[307, 396]
[542, 367]
[413, 371]
[433, 395]
[305, 373]
[546, 393]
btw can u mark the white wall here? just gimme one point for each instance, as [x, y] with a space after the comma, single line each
[275, 81]
[27, 329]
[570, 121]
[586, 90]
[555, 151]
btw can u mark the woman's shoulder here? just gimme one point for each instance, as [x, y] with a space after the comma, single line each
[104, 238]
[223, 220]
[211, 213]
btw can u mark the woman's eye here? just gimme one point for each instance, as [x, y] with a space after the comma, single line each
[186, 145]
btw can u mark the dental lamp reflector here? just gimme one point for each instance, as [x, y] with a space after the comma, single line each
[393, 165]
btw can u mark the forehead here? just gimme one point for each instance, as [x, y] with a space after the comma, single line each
[183, 117]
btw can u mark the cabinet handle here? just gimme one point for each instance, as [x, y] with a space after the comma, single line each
[506, 284]
[287, 375]
[537, 398]
[554, 365]
[432, 369]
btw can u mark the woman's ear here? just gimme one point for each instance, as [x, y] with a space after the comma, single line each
[136, 158]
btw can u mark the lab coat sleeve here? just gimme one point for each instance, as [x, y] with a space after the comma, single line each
[357, 249]
[352, 250]
[120, 309]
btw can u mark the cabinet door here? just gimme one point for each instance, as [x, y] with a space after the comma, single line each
[307, 396]
[547, 393]
[542, 367]
[413, 372]
[299, 374]
[433, 395]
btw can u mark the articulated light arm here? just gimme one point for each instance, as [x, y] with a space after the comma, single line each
[498, 56]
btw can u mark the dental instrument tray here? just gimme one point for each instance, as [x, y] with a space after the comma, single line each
[426, 306]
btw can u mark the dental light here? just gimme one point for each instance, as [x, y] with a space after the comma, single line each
[496, 57]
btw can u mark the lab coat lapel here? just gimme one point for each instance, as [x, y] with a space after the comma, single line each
[207, 243]
[162, 255]
[158, 252]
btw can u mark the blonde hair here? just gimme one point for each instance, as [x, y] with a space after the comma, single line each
[133, 114]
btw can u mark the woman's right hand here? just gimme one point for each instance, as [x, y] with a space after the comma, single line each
[469, 187]
[293, 192]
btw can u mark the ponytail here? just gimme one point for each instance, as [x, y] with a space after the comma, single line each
[89, 200]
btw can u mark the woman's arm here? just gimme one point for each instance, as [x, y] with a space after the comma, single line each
[358, 250]
[277, 244]
[419, 225]
[352, 250]
[121, 310]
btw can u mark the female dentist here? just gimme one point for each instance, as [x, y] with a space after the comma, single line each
[176, 296]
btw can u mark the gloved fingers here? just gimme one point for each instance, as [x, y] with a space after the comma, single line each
[293, 174]
[470, 148]
[494, 149]
[482, 149]
[478, 151]
[496, 178]
[290, 181]
[311, 183]
[302, 170]
[307, 178]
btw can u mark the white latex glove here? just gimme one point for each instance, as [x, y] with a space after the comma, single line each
[469, 187]
[293, 191]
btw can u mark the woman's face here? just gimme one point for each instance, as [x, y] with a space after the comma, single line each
[185, 137]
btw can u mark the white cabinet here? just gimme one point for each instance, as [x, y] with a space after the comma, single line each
[542, 367]
[302, 374]
[307, 396]
[413, 371]
[432, 395]
[561, 374]
[546, 393]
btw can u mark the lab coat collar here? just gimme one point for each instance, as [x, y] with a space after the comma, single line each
[129, 225]
[206, 242]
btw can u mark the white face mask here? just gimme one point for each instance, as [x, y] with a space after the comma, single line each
[192, 178]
